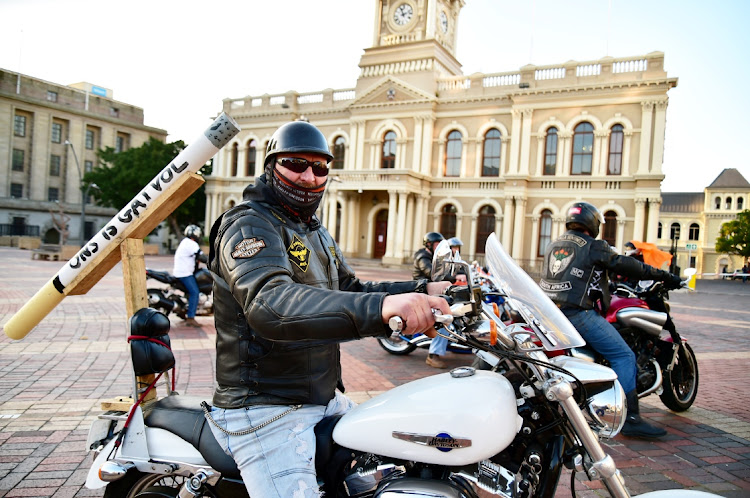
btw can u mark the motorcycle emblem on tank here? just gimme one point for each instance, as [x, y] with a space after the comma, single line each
[442, 441]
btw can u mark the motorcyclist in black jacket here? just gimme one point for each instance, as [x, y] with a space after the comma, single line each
[575, 277]
[284, 299]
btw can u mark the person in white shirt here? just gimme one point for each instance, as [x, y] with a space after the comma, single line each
[185, 263]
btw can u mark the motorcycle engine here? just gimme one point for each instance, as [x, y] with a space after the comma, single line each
[411, 487]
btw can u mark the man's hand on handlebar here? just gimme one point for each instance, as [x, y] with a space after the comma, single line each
[416, 311]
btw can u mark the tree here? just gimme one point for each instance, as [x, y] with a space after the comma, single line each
[121, 175]
[734, 236]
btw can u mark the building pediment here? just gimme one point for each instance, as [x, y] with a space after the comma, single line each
[391, 90]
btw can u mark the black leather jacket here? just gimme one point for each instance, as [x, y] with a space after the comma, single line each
[422, 264]
[576, 267]
[283, 299]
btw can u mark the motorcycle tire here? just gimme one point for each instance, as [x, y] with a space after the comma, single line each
[396, 346]
[681, 384]
[137, 483]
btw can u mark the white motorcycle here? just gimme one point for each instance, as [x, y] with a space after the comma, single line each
[508, 431]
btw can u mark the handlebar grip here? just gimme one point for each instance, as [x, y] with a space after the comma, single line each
[396, 324]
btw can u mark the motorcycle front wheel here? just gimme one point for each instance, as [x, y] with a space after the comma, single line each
[396, 346]
[681, 384]
[137, 483]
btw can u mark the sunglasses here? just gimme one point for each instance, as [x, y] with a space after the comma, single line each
[299, 165]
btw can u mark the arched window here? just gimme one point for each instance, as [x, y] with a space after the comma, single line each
[614, 166]
[550, 152]
[717, 203]
[674, 231]
[545, 231]
[233, 159]
[740, 203]
[694, 232]
[250, 163]
[609, 230]
[485, 226]
[339, 153]
[491, 161]
[728, 203]
[658, 231]
[583, 149]
[389, 150]
[448, 221]
[453, 150]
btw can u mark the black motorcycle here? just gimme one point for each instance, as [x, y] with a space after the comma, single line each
[173, 299]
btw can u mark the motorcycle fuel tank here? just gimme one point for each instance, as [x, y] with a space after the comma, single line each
[454, 418]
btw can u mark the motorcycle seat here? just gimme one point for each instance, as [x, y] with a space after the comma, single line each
[162, 276]
[183, 417]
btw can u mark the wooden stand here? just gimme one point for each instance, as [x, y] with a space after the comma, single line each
[128, 248]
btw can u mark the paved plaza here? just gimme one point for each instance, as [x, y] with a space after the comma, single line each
[52, 382]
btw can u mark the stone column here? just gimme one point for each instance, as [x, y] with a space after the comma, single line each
[640, 219]
[401, 226]
[429, 126]
[524, 167]
[660, 122]
[515, 143]
[620, 238]
[645, 153]
[473, 236]
[540, 155]
[654, 204]
[508, 222]
[599, 167]
[416, 160]
[504, 155]
[564, 146]
[628, 139]
[391, 234]
[409, 234]
[534, 239]
[352, 219]
[518, 229]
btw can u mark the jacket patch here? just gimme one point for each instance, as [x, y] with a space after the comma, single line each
[299, 254]
[247, 248]
[555, 286]
[333, 254]
[559, 260]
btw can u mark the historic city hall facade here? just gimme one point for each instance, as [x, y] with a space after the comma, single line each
[421, 147]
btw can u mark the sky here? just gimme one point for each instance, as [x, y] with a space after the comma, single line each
[178, 59]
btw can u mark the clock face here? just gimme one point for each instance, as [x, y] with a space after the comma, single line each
[443, 22]
[403, 14]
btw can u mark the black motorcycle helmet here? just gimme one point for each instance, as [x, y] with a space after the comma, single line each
[584, 215]
[295, 137]
[430, 238]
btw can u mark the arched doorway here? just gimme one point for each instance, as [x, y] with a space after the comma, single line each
[381, 232]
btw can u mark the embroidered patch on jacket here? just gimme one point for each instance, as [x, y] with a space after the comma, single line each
[559, 260]
[333, 254]
[299, 254]
[247, 248]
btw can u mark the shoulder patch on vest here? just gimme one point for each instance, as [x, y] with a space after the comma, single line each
[247, 248]
[299, 254]
[333, 253]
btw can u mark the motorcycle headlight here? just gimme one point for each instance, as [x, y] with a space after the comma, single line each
[606, 408]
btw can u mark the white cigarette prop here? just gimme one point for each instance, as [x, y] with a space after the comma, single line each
[190, 160]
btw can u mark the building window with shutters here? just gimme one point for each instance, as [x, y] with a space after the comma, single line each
[491, 159]
[583, 149]
[550, 152]
[388, 160]
[453, 149]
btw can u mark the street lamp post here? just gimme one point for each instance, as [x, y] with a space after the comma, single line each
[84, 194]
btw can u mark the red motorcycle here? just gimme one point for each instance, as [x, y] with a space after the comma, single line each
[666, 363]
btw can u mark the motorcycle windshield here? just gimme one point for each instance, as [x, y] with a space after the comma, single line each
[556, 332]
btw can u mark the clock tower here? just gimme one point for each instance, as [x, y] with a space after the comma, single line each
[414, 40]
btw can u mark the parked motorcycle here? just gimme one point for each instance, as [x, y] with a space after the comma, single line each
[508, 431]
[666, 363]
[173, 299]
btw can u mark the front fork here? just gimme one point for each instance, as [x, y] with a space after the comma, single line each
[603, 466]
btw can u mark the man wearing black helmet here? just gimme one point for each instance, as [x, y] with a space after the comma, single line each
[284, 297]
[423, 269]
[575, 277]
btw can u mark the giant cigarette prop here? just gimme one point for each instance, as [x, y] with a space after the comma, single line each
[190, 160]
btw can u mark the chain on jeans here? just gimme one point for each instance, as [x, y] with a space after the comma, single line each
[207, 411]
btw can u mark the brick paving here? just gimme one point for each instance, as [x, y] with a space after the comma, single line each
[52, 381]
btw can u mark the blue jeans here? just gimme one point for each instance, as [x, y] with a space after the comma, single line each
[604, 338]
[191, 284]
[439, 345]
[277, 460]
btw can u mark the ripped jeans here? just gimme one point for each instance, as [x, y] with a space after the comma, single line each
[277, 460]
